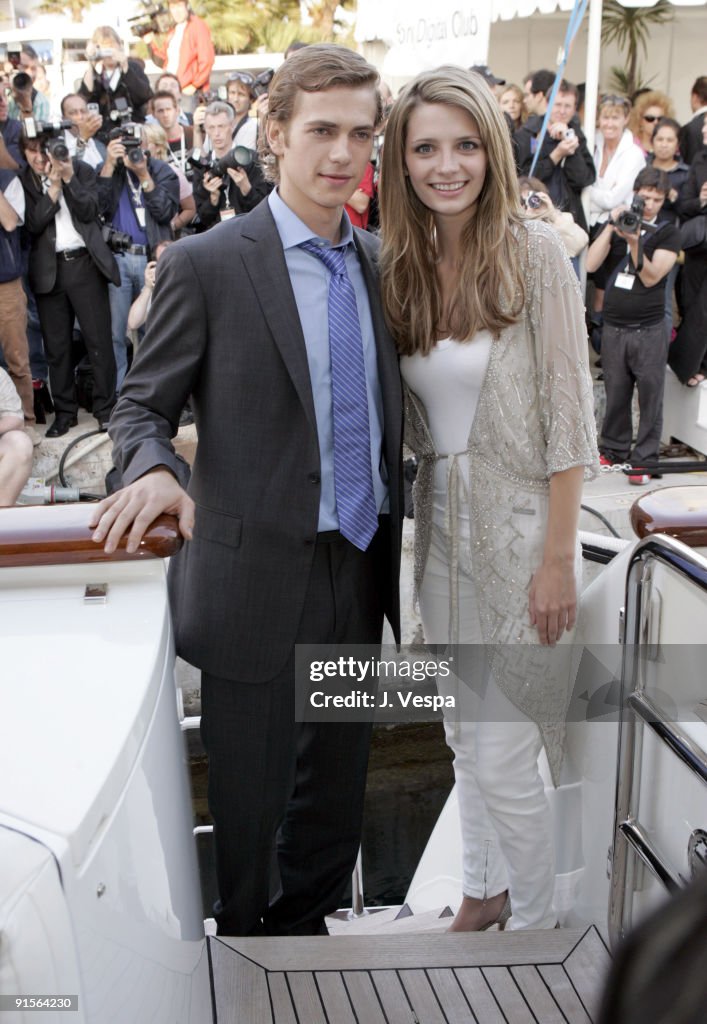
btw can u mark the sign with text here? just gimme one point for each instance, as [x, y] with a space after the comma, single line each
[422, 35]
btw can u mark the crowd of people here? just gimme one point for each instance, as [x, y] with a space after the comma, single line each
[271, 323]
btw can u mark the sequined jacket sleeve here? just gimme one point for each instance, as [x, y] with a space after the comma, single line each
[556, 319]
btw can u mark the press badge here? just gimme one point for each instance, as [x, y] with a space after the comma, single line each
[625, 280]
[227, 213]
[140, 214]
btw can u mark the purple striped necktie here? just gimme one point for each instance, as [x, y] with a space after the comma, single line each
[353, 481]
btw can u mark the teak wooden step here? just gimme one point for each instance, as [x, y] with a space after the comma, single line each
[548, 977]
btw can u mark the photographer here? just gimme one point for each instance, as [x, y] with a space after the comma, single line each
[114, 81]
[79, 138]
[239, 93]
[637, 253]
[70, 266]
[139, 196]
[10, 131]
[180, 138]
[26, 100]
[565, 164]
[538, 205]
[187, 51]
[221, 196]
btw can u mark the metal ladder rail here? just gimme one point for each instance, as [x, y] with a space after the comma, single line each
[630, 841]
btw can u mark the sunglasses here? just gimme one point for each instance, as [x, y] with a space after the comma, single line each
[241, 76]
[650, 118]
[615, 101]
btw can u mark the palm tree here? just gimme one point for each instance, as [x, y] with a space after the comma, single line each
[629, 28]
[76, 8]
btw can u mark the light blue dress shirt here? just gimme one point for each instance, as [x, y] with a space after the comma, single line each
[310, 284]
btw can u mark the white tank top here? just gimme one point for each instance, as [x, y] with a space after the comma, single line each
[448, 382]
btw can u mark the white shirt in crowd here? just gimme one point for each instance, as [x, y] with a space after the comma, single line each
[67, 237]
[175, 45]
[90, 153]
[15, 195]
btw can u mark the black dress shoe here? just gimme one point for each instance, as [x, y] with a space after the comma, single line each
[61, 425]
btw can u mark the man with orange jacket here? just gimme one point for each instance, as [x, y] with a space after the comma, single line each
[187, 50]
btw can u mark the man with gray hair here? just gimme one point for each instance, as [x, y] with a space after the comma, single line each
[232, 183]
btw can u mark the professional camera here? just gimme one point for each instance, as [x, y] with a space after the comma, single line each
[533, 201]
[50, 135]
[239, 156]
[129, 133]
[630, 220]
[121, 110]
[154, 18]
[261, 82]
[117, 241]
[217, 167]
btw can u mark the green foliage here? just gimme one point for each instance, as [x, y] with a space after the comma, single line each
[250, 26]
[619, 83]
[76, 8]
[630, 29]
[270, 26]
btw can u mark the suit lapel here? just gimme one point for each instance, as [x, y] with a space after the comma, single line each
[267, 271]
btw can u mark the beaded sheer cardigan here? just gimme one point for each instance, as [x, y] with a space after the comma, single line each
[534, 418]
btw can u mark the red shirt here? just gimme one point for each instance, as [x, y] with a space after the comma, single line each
[360, 220]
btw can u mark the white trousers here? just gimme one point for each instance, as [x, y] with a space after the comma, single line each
[505, 817]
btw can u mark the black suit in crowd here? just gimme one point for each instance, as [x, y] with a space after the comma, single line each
[72, 285]
[133, 86]
[690, 138]
[688, 353]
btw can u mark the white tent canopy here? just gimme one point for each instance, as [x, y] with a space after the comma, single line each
[421, 34]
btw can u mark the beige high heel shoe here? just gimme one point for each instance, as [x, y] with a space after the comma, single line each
[500, 919]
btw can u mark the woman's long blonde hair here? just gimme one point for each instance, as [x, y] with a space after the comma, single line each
[490, 294]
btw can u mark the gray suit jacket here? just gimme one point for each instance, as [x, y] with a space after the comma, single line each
[224, 328]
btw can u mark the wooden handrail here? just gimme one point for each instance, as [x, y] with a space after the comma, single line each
[59, 535]
[679, 512]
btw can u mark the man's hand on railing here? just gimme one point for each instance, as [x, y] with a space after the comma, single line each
[131, 510]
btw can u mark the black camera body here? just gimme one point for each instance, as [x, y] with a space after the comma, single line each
[154, 18]
[216, 167]
[129, 133]
[630, 220]
[50, 135]
[121, 111]
[261, 82]
[240, 157]
[117, 241]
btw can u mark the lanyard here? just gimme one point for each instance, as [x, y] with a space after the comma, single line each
[135, 191]
[180, 160]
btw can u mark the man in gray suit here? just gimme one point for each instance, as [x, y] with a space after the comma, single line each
[248, 320]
